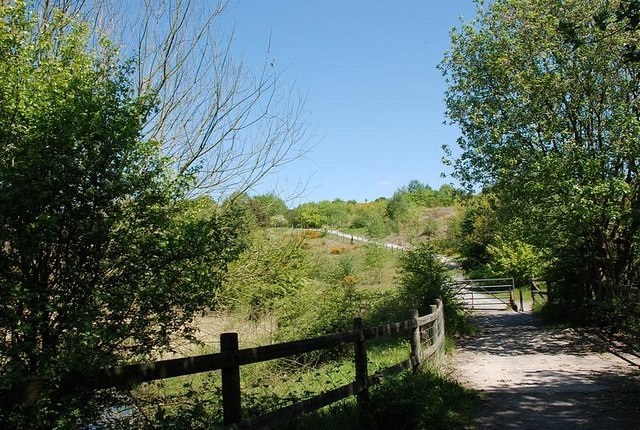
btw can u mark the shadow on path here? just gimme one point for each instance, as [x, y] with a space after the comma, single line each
[541, 378]
[511, 333]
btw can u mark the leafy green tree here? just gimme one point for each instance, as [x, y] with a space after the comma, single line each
[376, 226]
[374, 259]
[474, 230]
[398, 206]
[307, 215]
[416, 187]
[336, 213]
[266, 208]
[103, 259]
[548, 106]
[516, 259]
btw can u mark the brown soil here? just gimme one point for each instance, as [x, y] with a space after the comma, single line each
[534, 377]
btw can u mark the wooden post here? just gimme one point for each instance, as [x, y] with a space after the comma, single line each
[440, 317]
[521, 301]
[434, 325]
[360, 359]
[534, 287]
[415, 337]
[548, 291]
[231, 413]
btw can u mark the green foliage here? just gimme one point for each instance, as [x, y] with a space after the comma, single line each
[423, 195]
[516, 259]
[423, 279]
[269, 210]
[271, 268]
[307, 215]
[103, 259]
[411, 400]
[377, 218]
[375, 259]
[398, 207]
[317, 309]
[473, 231]
[546, 99]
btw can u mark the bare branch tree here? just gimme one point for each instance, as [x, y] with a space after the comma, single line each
[216, 118]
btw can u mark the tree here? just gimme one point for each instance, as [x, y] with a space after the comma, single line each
[307, 215]
[548, 106]
[103, 258]
[375, 258]
[516, 259]
[398, 207]
[215, 118]
[268, 209]
[474, 230]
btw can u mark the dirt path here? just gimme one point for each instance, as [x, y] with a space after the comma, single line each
[540, 378]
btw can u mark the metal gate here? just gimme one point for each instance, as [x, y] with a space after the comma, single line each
[485, 294]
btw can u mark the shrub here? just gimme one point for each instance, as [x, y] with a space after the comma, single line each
[516, 259]
[424, 278]
[271, 268]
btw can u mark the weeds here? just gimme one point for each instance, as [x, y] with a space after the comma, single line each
[410, 400]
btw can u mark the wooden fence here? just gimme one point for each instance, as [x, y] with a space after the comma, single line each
[536, 289]
[230, 359]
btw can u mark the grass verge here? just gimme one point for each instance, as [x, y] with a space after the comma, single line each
[411, 400]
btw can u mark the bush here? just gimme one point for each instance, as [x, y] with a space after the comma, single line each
[271, 268]
[516, 259]
[410, 400]
[424, 278]
[317, 309]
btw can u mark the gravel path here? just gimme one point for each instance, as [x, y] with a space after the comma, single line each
[540, 378]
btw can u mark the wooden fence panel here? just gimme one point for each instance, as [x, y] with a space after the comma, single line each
[230, 359]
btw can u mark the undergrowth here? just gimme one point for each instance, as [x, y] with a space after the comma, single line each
[411, 400]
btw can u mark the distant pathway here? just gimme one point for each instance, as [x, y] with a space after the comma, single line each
[540, 378]
[363, 239]
[450, 263]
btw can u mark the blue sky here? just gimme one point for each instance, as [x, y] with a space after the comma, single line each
[375, 97]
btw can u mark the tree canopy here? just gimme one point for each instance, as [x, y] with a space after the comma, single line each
[546, 98]
[103, 259]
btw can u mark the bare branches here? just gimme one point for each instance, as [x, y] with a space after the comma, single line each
[216, 119]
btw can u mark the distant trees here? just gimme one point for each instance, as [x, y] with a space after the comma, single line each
[379, 217]
[546, 97]
[269, 210]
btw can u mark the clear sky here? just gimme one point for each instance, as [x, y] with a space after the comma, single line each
[375, 97]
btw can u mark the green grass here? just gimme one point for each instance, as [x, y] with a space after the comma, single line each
[268, 386]
[411, 400]
[272, 385]
[327, 264]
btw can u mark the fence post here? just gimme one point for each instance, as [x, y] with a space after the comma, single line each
[415, 338]
[360, 352]
[521, 302]
[533, 296]
[435, 330]
[440, 319]
[230, 381]
[549, 297]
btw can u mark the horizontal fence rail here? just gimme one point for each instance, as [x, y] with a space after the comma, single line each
[490, 293]
[428, 327]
